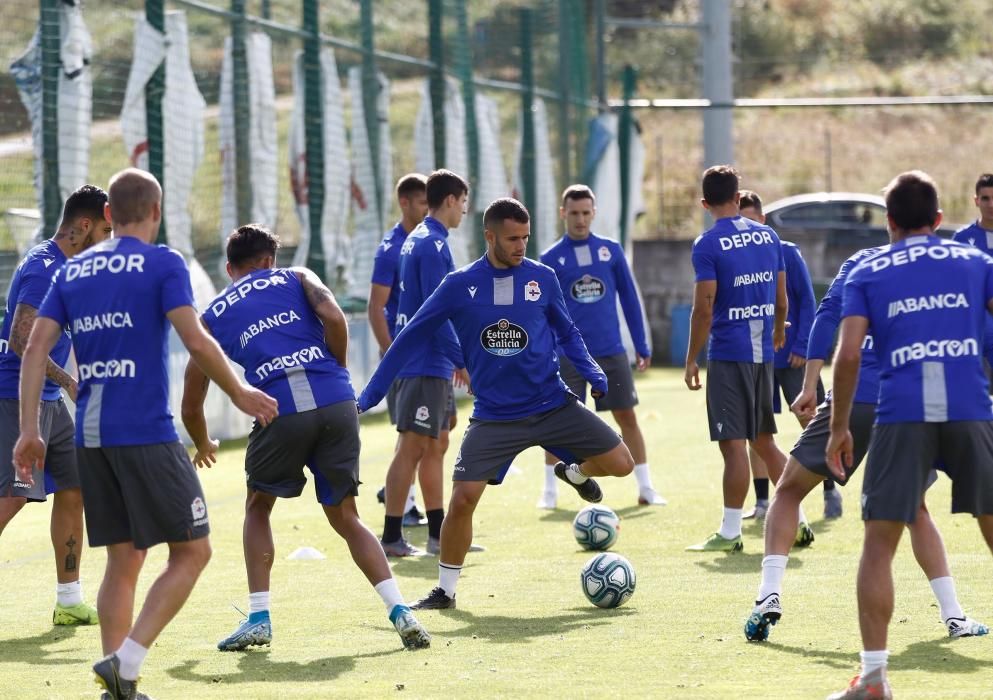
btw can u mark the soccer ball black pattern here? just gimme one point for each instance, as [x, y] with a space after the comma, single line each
[608, 580]
[596, 527]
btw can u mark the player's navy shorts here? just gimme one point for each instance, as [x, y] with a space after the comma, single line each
[620, 382]
[789, 380]
[739, 400]
[58, 432]
[325, 440]
[810, 447]
[145, 494]
[571, 432]
[901, 455]
[391, 402]
[424, 405]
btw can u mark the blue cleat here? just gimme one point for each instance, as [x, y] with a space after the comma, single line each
[412, 634]
[255, 631]
[765, 615]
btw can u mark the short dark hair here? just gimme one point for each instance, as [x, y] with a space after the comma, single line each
[87, 201]
[442, 183]
[912, 200]
[251, 242]
[720, 184]
[411, 183]
[577, 192]
[132, 194]
[985, 180]
[750, 199]
[505, 208]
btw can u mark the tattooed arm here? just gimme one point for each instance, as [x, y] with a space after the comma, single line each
[701, 319]
[20, 329]
[322, 301]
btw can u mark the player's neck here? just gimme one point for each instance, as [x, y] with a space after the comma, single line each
[985, 224]
[496, 264]
[723, 211]
[408, 225]
[578, 236]
[144, 232]
[443, 216]
[900, 235]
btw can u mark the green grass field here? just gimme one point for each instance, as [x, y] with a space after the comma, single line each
[523, 627]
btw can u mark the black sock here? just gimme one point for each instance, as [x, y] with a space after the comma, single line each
[761, 489]
[393, 528]
[434, 522]
[828, 485]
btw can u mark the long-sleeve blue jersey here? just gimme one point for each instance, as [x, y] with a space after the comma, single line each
[593, 274]
[508, 322]
[976, 235]
[802, 305]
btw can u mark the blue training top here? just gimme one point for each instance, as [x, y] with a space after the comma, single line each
[802, 304]
[386, 272]
[976, 235]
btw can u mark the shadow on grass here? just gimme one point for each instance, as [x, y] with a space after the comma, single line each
[31, 650]
[740, 563]
[254, 666]
[418, 567]
[513, 628]
[566, 514]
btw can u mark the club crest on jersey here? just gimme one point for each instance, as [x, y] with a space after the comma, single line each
[603, 252]
[587, 289]
[532, 292]
[503, 338]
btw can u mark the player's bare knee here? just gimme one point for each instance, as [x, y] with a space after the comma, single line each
[464, 500]
[9, 507]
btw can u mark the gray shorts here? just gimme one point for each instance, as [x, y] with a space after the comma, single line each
[145, 494]
[901, 457]
[620, 382]
[424, 405]
[58, 432]
[325, 440]
[739, 400]
[789, 380]
[810, 447]
[391, 402]
[571, 432]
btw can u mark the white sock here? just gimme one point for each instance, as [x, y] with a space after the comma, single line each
[803, 517]
[551, 481]
[131, 654]
[773, 569]
[448, 576]
[258, 602]
[730, 524]
[69, 594]
[573, 474]
[644, 477]
[944, 591]
[410, 499]
[873, 661]
[389, 591]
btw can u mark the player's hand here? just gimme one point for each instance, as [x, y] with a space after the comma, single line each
[599, 389]
[206, 455]
[692, 376]
[258, 404]
[804, 406]
[461, 378]
[643, 363]
[29, 451]
[839, 452]
[797, 361]
[358, 407]
[778, 339]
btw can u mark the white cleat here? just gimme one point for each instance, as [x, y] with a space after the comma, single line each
[651, 497]
[548, 500]
[965, 627]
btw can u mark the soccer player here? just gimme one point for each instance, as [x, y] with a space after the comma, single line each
[980, 232]
[425, 402]
[926, 300]
[509, 315]
[82, 226]
[384, 294]
[139, 487]
[594, 274]
[807, 466]
[286, 329]
[739, 302]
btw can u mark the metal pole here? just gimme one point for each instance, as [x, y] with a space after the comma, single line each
[565, 133]
[154, 92]
[718, 140]
[599, 7]
[50, 68]
[314, 135]
[266, 10]
[242, 109]
[624, 127]
[827, 160]
[463, 59]
[370, 102]
[436, 46]
[528, 165]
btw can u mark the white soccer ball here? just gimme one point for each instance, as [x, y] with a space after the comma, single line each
[608, 580]
[596, 527]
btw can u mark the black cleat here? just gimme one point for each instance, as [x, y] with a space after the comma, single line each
[381, 495]
[108, 675]
[437, 599]
[413, 518]
[589, 490]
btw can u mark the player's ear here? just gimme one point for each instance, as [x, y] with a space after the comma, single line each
[937, 220]
[106, 212]
[703, 203]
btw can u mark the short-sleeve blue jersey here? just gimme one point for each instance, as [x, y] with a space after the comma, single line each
[114, 298]
[826, 323]
[30, 283]
[509, 322]
[593, 274]
[264, 322]
[386, 272]
[926, 300]
[802, 305]
[745, 258]
[425, 259]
